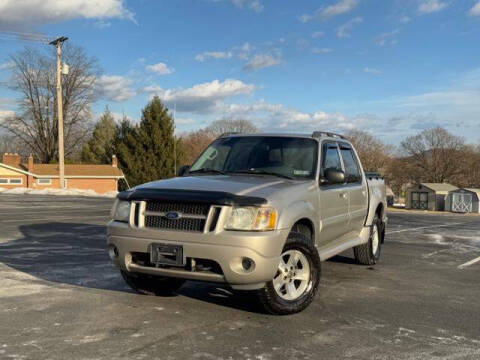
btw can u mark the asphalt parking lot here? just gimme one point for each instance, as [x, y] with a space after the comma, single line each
[61, 298]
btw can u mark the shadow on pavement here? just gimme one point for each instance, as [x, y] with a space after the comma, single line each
[76, 254]
[342, 259]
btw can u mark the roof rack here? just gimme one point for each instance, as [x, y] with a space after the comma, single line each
[229, 134]
[319, 134]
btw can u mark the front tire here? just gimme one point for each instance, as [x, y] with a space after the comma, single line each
[296, 282]
[369, 253]
[151, 285]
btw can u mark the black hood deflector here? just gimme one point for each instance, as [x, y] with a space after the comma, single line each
[189, 196]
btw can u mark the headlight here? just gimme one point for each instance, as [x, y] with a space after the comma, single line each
[121, 211]
[252, 218]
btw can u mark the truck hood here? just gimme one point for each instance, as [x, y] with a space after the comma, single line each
[243, 185]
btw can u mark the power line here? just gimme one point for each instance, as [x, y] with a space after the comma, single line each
[23, 36]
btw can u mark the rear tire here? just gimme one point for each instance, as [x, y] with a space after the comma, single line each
[369, 253]
[296, 281]
[151, 285]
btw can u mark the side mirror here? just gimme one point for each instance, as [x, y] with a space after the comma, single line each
[182, 170]
[334, 176]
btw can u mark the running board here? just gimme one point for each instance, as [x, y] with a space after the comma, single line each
[330, 251]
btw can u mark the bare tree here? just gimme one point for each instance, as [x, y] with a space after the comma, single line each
[193, 143]
[399, 175]
[469, 162]
[9, 145]
[373, 153]
[35, 123]
[435, 155]
[219, 127]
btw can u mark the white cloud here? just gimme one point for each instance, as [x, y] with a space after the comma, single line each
[322, 50]
[214, 55]
[344, 30]
[7, 65]
[102, 24]
[155, 89]
[243, 52]
[318, 34]
[440, 99]
[454, 107]
[325, 13]
[203, 98]
[303, 43]
[119, 116]
[475, 10]
[431, 6]
[373, 71]
[160, 68]
[246, 47]
[278, 117]
[115, 88]
[387, 38]
[19, 13]
[184, 121]
[10, 102]
[261, 61]
[255, 5]
[5, 114]
[255, 58]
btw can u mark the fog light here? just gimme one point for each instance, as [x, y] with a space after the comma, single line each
[112, 251]
[247, 264]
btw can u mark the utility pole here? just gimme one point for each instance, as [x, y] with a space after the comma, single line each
[61, 157]
[174, 142]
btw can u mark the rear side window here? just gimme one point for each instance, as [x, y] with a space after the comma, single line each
[352, 173]
[331, 158]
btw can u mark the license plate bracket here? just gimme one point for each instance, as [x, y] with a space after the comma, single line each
[165, 254]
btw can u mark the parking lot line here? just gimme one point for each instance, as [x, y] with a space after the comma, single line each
[421, 228]
[468, 263]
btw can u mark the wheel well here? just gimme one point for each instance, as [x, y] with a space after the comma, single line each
[304, 226]
[379, 212]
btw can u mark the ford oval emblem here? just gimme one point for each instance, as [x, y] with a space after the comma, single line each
[173, 215]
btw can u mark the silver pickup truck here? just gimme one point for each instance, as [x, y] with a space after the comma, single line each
[257, 212]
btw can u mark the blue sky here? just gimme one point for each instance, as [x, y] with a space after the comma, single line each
[392, 67]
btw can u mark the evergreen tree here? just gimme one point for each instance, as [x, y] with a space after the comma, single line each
[100, 148]
[127, 150]
[146, 151]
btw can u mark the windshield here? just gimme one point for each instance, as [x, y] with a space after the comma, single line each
[282, 156]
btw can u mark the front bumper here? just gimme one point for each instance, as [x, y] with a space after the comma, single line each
[226, 248]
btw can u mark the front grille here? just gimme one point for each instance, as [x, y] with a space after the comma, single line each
[183, 224]
[184, 208]
[193, 216]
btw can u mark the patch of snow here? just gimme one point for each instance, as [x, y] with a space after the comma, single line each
[64, 192]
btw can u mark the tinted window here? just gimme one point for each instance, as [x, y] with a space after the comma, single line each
[331, 159]
[352, 174]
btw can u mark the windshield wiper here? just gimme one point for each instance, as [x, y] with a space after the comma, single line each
[207, 170]
[262, 172]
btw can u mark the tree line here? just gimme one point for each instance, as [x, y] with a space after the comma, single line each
[149, 150]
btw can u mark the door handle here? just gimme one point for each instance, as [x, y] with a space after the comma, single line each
[343, 195]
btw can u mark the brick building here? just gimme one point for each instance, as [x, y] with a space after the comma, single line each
[99, 178]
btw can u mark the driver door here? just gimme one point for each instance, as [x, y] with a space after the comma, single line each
[333, 198]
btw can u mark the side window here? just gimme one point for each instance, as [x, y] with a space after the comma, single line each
[352, 173]
[331, 158]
